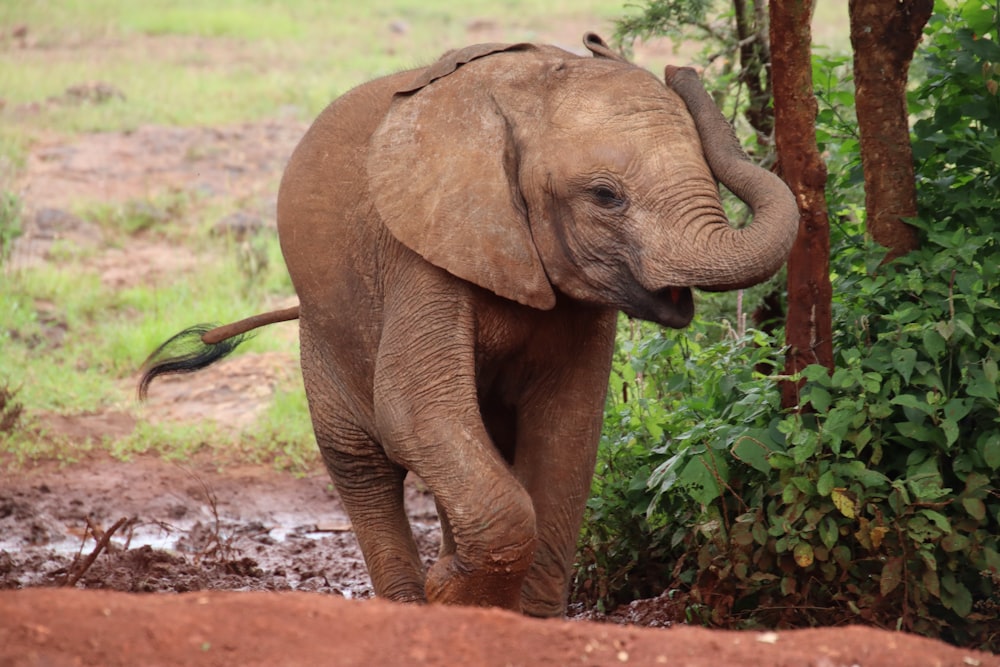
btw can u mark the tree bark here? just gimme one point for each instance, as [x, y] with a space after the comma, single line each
[755, 61]
[884, 35]
[808, 330]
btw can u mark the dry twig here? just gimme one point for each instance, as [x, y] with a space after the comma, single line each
[103, 540]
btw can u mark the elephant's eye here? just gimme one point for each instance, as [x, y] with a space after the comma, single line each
[607, 197]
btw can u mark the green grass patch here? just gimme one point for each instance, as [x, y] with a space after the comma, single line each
[185, 63]
[68, 338]
[283, 435]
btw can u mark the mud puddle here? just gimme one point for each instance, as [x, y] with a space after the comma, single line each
[186, 527]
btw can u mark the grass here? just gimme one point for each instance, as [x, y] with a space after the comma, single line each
[71, 344]
[239, 60]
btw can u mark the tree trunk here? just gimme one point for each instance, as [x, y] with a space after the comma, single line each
[808, 331]
[884, 34]
[755, 61]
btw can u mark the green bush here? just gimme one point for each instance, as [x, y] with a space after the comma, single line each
[655, 493]
[880, 503]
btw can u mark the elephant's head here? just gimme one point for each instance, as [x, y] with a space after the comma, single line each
[524, 168]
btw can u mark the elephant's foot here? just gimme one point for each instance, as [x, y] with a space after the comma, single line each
[497, 585]
[546, 587]
[410, 593]
[543, 608]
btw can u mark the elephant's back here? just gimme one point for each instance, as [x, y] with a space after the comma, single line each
[325, 217]
[326, 171]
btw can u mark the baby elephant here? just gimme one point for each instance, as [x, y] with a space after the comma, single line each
[461, 237]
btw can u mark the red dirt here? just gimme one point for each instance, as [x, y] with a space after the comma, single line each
[246, 565]
[309, 629]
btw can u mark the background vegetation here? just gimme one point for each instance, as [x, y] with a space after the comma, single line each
[880, 503]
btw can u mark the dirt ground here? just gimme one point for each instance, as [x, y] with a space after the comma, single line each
[146, 561]
[246, 565]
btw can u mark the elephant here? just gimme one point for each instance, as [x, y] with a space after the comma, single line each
[461, 238]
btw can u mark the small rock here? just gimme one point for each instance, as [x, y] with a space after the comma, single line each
[97, 92]
[50, 221]
[480, 25]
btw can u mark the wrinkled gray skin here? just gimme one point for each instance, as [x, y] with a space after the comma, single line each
[460, 238]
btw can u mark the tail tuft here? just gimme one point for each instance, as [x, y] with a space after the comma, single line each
[185, 353]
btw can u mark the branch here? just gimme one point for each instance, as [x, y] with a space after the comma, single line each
[103, 541]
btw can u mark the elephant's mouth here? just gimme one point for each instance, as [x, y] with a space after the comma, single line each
[670, 306]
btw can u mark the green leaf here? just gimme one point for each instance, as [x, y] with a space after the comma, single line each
[915, 402]
[990, 450]
[803, 452]
[828, 531]
[816, 373]
[789, 494]
[871, 382]
[818, 397]
[781, 461]
[702, 477]
[753, 452]
[804, 484]
[931, 582]
[938, 519]
[825, 483]
[892, 575]
[945, 329]
[857, 470]
[990, 371]
[803, 554]
[979, 385]
[975, 507]
[956, 597]
[957, 408]
[934, 343]
[950, 429]
[917, 432]
[903, 360]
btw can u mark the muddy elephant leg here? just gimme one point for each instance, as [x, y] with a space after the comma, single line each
[428, 418]
[370, 487]
[447, 539]
[556, 450]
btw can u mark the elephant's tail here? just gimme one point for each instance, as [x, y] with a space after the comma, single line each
[202, 345]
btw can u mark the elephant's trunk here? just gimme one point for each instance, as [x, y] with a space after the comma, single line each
[737, 257]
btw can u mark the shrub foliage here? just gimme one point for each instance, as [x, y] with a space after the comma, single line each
[880, 503]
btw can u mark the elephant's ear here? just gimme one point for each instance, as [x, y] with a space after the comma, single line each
[596, 45]
[443, 174]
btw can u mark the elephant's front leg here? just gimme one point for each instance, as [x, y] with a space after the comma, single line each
[558, 429]
[428, 419]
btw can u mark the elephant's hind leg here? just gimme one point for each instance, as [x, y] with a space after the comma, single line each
[371, 489]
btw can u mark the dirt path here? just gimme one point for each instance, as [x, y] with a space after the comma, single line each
[308, 629]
